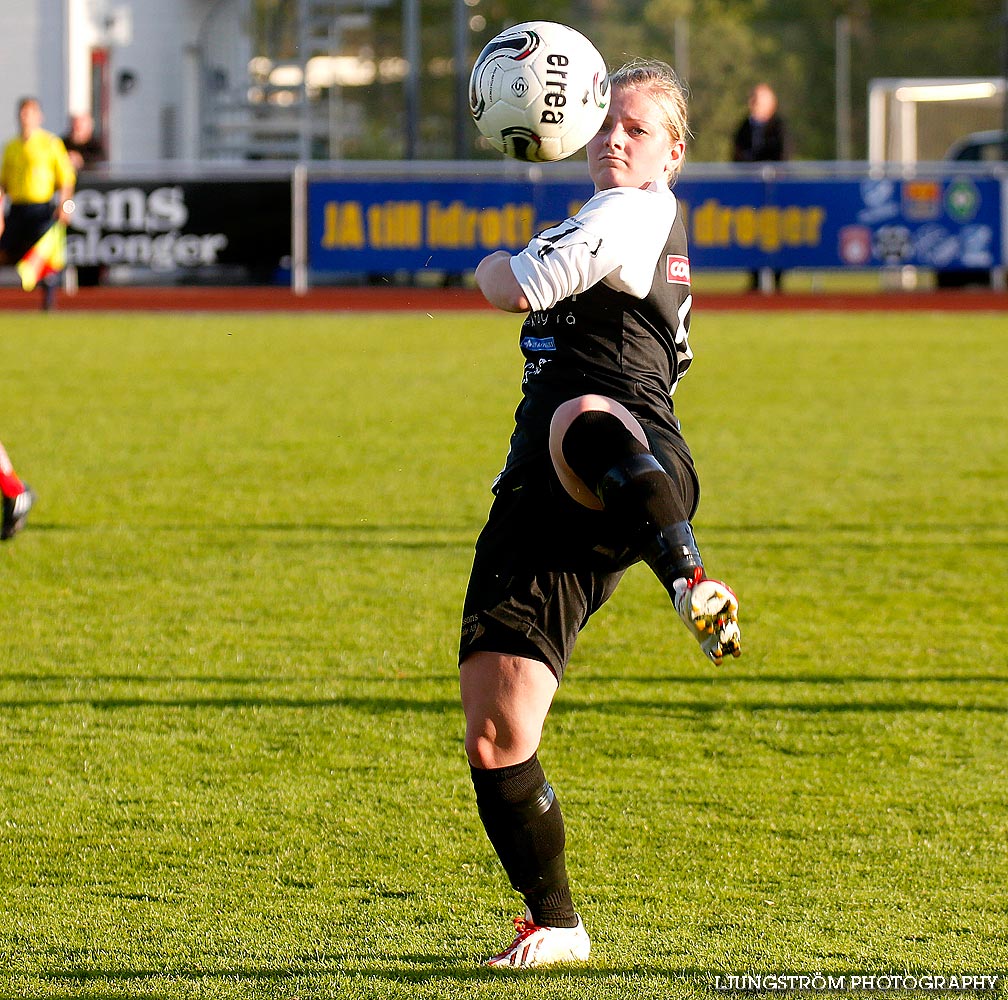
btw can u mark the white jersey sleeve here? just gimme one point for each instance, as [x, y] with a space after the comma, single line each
[616, 238]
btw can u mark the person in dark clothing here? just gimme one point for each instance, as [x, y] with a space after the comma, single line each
[598, 477]
[760, 137]
[84, 147]
[762, 134]
[86, 151]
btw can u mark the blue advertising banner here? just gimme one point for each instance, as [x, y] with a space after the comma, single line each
[945, 223]
[443, 225]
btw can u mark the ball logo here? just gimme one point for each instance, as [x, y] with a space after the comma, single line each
[543, 80]
[677, 269]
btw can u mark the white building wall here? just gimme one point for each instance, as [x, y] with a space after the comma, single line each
[33, 61]
[45, 51]
[84, 31]
[151, 120]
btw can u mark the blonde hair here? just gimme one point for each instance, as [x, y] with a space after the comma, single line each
[659, 79]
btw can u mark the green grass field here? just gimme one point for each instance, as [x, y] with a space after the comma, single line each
[232, 752]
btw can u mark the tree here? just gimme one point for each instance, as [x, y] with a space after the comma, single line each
[726, 46]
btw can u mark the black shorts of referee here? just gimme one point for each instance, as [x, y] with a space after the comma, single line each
[543, 565]
[25, 225]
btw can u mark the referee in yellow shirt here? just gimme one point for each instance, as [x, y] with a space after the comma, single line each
[38, 180]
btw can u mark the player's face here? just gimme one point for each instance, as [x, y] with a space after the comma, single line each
[29, 117]
[632, 148]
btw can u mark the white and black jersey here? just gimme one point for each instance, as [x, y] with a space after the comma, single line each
[610, 297]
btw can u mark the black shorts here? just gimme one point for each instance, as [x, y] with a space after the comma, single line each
[23, 228]
[543, 565]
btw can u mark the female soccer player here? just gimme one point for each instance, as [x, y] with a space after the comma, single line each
[598, 477]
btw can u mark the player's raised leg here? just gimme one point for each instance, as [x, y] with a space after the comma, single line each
[601, 455]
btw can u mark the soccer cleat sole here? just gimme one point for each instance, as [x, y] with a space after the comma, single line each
[713, 613]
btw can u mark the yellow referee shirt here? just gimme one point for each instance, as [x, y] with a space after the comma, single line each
[34, 170]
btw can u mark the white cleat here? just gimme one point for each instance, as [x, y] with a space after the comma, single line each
[15, 512]
[536, 946]
[709, 610]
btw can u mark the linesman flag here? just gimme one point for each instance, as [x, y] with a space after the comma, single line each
[47, 256]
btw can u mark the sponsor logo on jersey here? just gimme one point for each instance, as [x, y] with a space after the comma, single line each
[677, 269]
[535, 344]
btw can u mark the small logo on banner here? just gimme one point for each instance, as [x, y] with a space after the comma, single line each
[922, 200]
[855, 245]
[962, 199]
[677, 269]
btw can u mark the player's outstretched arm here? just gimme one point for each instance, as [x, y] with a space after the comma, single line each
[498, 284]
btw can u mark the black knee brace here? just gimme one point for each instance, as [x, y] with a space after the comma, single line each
[594, 442]
[634, 487]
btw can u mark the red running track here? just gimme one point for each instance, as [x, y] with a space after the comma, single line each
[267, 299]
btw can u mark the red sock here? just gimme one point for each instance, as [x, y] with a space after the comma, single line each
[10, 485]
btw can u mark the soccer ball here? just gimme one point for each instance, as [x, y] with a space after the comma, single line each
[539, 91]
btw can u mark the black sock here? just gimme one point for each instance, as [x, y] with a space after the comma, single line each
[634, 487]
[522, 818]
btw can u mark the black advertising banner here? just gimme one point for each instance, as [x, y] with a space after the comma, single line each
[183, 231]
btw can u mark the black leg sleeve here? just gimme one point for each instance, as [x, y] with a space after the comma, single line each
[523, 821]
